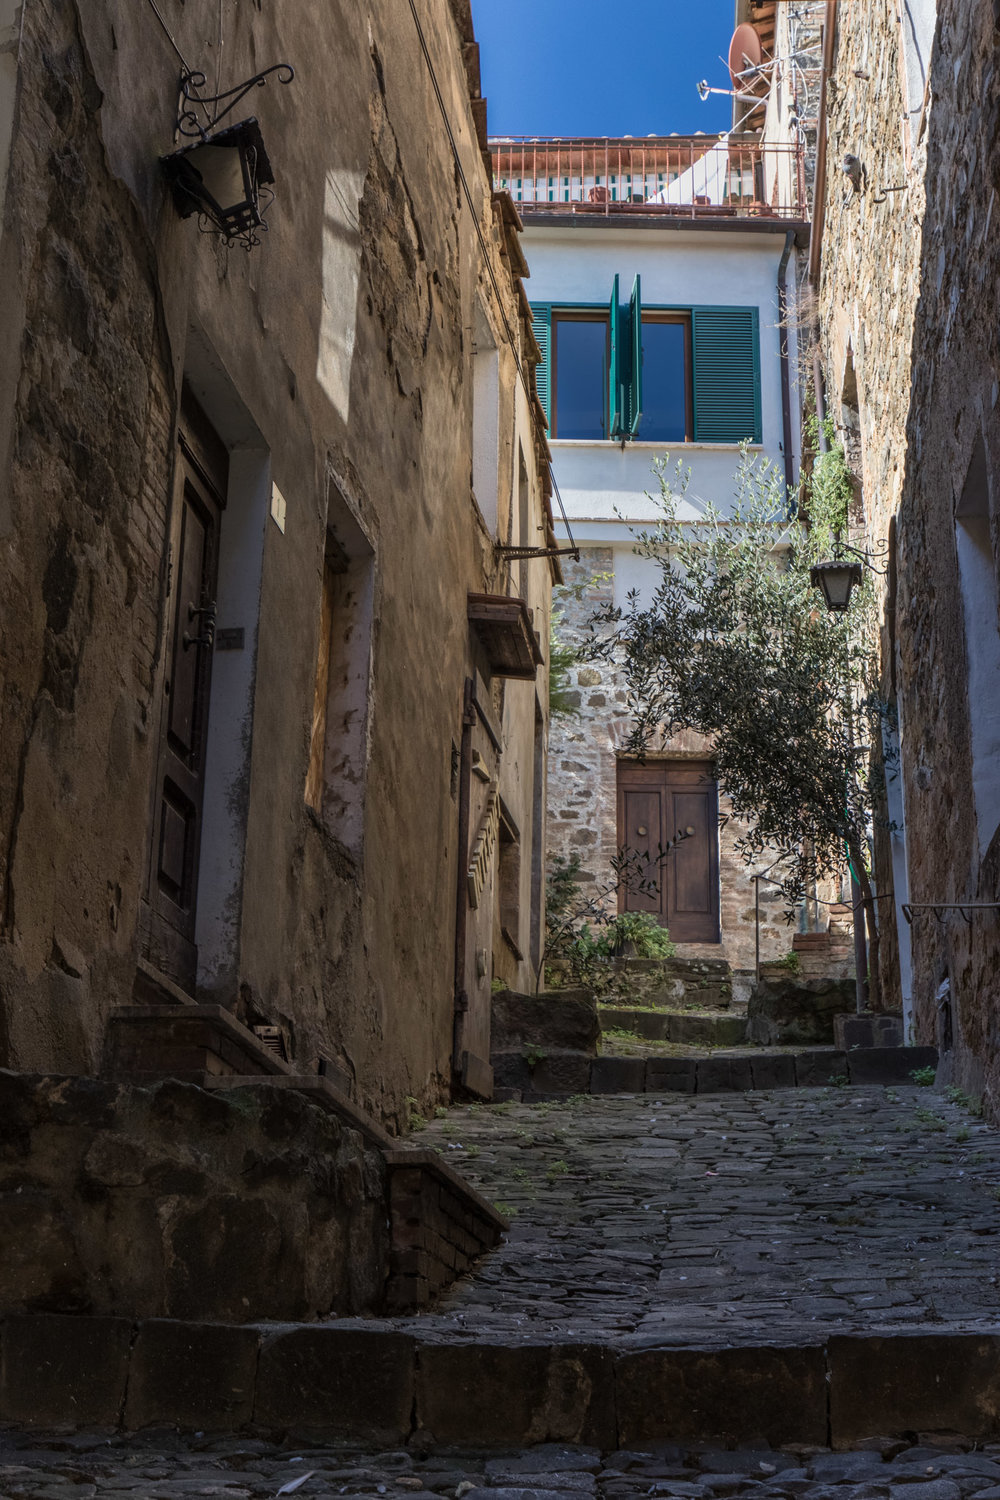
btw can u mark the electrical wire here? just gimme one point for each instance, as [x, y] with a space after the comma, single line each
[167, 33]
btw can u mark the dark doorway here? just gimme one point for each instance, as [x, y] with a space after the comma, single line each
[199, 498]
[660, 802]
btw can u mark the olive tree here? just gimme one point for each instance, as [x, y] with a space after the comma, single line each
[736, 643]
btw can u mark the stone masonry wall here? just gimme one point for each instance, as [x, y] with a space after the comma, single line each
[173, 1202]
[583, 751]
[907, 305]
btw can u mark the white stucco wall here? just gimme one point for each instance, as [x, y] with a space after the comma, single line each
[600, 481]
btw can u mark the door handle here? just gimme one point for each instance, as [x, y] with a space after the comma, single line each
[207, 637]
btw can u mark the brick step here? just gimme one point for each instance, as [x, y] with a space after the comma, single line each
[690, 1028]
[732, 1071]
[374, 1382]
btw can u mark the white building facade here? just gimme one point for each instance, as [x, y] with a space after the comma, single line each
[669, 329]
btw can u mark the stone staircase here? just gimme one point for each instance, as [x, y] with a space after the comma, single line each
[438, 1225]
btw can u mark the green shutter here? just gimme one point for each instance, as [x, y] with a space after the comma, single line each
[726, 375]
[635, 373]
[616, 403]
[541, 313]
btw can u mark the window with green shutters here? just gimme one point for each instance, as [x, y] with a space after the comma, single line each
[722, 373]
[725, 359]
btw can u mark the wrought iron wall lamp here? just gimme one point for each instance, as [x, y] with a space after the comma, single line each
[222, 175]
[837, 578]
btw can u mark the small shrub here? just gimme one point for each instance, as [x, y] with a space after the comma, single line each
[924, 1077]
[791, 963]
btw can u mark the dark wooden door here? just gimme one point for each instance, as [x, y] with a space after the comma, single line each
[664, 803]
[194, 553]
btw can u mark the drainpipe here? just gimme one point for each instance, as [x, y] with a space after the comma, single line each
[786, 397]
[857, 900]
[462, 897]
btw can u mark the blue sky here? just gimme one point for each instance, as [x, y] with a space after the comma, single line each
[580, 67]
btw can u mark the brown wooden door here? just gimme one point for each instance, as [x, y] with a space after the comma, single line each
[673, 802]
[194, 554]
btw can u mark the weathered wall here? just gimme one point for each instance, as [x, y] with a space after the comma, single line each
[583, 816]
[909, 287]
[120, 1200]
[335, 361]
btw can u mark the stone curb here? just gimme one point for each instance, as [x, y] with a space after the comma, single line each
[728, 1072]
[367, 1382]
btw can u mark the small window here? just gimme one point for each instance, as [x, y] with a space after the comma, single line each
[666, 378]
[580, 370]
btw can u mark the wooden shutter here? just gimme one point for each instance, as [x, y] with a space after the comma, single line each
[725, 347]
[635, 373]
[541, 313]
[616, 404]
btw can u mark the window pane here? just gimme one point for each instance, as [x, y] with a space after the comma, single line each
[664, 416]
[581, 377]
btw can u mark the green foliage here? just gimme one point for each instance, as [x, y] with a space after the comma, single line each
[791, 961]
[562, 658]
[955, 1095]
[923, 1077]
[581, 933]
[639, 930]
[533, 1054]
[830, 490]
[736, 644]
[414, 1119]
[557, 1169]
[838, 1080]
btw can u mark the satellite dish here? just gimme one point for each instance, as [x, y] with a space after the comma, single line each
[744, 52]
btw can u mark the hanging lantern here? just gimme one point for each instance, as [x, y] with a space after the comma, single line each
[223, 176]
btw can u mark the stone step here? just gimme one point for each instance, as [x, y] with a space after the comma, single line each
[382, 1383]
[732, 1071]
[690, 1028]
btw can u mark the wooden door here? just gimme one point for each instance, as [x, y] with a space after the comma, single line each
[664, 803]
[194, 552]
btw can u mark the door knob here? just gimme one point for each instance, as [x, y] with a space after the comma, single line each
[642, 830]
[207, 637]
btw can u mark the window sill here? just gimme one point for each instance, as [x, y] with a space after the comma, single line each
[654, 446]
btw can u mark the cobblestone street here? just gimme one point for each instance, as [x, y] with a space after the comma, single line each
[162, 1467]
[730, 1217]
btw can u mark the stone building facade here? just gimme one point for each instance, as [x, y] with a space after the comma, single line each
[253, 720]
[907, 268]
[676, 257]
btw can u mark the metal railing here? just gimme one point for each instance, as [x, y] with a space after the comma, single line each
[691, 176]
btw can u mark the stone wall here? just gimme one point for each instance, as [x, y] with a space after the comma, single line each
[336, 363]
[173, 1202]
[584, 747]
[912, 360]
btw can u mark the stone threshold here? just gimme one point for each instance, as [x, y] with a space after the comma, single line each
[364, 1382]
[717, 1072]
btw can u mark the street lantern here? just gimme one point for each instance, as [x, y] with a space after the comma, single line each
[222, 174]
[220, 179]
[836, 579]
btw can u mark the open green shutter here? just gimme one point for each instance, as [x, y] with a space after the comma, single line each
[616, 407]
[725, 349]
[635, 373]
[541, 313]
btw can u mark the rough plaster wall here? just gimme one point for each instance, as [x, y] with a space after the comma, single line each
[80, 572]
[354, 955]
[916, 293]
[582, 786]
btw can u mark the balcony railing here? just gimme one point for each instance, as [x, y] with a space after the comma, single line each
[691, 176]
